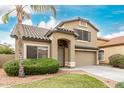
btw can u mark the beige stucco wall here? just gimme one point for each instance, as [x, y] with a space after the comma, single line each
[70, 25]
[109, 51]
[76, 24]
[5, 58]
[35, 43]
[54, 45]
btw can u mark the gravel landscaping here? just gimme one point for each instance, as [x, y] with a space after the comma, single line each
[6, 81]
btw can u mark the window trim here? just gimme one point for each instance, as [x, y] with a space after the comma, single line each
[38, 45]
[82, 36]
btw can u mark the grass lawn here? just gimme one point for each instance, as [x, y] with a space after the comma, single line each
[65, 81]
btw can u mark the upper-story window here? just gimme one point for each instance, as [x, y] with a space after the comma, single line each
[84, 35]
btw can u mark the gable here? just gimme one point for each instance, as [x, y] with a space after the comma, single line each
[77, 23]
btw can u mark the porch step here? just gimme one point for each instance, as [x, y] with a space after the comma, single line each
[104, 64]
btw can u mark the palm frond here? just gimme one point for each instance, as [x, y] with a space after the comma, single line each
[53, 10]
[5, 17]
[44, 8]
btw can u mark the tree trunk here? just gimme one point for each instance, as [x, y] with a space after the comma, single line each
[21, 68]
[20, 29]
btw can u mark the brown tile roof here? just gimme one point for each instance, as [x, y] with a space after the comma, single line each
[77, 19]
[62, 30]
[32, 32]
[114, 42]
[103, 39]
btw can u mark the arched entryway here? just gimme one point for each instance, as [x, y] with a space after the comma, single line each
[63, 52]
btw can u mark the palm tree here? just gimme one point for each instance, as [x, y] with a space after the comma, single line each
[22, 14]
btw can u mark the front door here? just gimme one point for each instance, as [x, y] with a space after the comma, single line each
[61, 56]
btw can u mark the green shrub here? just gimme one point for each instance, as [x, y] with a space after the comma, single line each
[116, 60]
[32, 66]
[121, 64]
[120, 85]
[6, 50]
[11, 68]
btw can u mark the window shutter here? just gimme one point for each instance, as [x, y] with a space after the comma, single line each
[89, 36]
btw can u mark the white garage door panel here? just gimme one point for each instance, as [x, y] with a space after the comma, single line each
[84, 58]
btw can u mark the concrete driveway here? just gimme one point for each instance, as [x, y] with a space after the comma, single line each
[112, 73]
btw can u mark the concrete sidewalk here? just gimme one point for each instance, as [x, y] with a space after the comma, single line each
[109, 72]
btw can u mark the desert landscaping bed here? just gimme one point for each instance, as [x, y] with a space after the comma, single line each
[6, 81]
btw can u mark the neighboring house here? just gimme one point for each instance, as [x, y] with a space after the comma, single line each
[72, 42]
[109, 47]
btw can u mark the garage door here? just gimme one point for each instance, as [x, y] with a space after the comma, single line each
[84, 58]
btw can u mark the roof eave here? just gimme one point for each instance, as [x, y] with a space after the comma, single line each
[62, 22]
[86, 47]
[112, 45]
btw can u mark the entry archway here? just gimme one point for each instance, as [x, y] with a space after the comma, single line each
[63, 52]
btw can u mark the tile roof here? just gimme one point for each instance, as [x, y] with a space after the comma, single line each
[103, 39]
[63, 30]
[114, 41]
[77, 19]
[32, 32]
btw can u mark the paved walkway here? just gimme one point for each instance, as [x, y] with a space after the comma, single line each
[109, 72]
[109, 82]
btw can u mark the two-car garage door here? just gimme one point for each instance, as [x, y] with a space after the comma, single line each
[84, 58]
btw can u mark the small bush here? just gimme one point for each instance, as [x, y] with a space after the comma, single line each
[32, 66]
[116, 60]
[6, 50]
[11, 68]
[120, 85]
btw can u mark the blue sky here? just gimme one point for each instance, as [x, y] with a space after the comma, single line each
[108, 19]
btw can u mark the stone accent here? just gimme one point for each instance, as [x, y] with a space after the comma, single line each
[72, 64]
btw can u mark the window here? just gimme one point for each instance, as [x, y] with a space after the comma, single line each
[80, 34]
[42, 52]
[84, 35]
[37, 52]
[31, 52]
[101, 55]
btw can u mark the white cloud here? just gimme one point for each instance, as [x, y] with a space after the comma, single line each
[27, 22]
[50, 24]
[1, 22]
[5, 38]
[118, 11]
[42, 24]
[4, 9]
[121, 28]
[120, 33]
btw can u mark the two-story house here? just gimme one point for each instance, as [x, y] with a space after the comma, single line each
[72, 42]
